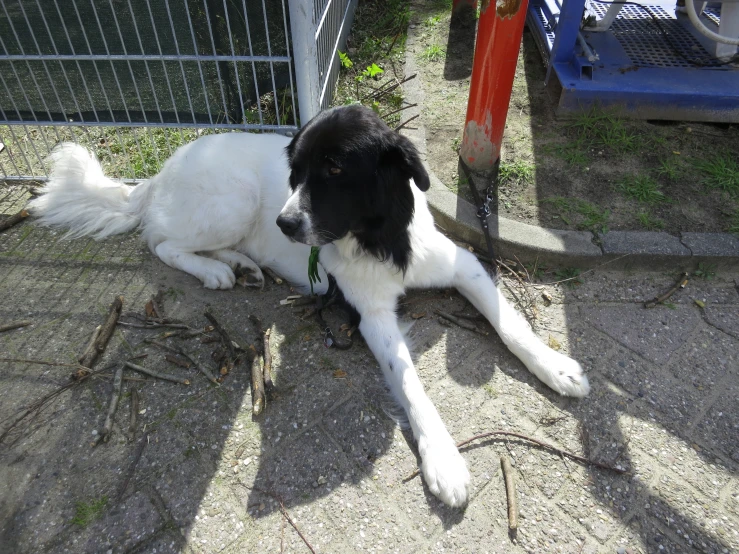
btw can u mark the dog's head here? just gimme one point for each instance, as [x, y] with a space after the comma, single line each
[350, 174]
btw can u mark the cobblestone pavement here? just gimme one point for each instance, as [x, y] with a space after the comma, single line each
[663, 405]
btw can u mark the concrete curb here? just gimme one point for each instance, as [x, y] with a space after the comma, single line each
[582, 249]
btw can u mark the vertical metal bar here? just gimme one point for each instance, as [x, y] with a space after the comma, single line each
[10, 129]
[271, 64]
[215, 53]
[305, 55]
[182, 67]
[236, 68]
[289, 65]
[253, 65]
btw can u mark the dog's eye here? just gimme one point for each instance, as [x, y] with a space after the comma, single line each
[333, 170]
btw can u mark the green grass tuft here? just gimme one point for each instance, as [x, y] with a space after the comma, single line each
[642, 188]
[720, 171]
[433, 53]
[600, 129]
[649, 222]
[517, 172]
[87, 513]
[592, 217]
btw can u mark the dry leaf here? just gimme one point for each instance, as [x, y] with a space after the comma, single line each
[345, 327]
[554, 343]
[699, 303]
[306, 338]
[150, 309]
[339, 374]
[547, 297]
[418, 315]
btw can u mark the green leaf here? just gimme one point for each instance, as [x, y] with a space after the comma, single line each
[345, 61]
[313, 275]
[373, 70]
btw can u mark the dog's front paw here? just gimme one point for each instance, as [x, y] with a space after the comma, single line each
[219, 277]
[446, 474]
[567, 376]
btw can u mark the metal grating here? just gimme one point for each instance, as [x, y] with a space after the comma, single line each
[649, 46]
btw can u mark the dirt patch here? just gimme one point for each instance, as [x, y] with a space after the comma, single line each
[595, 171]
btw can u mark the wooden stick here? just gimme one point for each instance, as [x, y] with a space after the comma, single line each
[15, 325]
[224, 334]
[269, 386]
[155, 325]
[257, 381]
[132, 467]
[14, 219]
[90, 345]
[105, 333]
[133, 414]
[470, 317]
[681, 282]
[463, 324]
[510, 489]
[276, 279]
[115, 397]
[156, 374]
[204, 370]
[287, 517]
[406, 122]
[176, 360]
[543, 444]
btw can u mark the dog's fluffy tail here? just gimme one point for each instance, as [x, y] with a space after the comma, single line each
[80, 198]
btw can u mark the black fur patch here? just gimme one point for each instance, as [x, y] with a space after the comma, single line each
[356, 172]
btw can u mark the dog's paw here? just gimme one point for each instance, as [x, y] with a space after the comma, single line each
[219, 277]
[446, 474]
[567, 376]
[249, 277]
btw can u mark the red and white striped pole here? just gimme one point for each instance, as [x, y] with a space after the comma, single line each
[499, 33]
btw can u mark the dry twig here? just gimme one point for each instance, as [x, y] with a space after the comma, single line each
[132, 467]
[176, 360]
[15, 325]
[269, 386]
[257, 381]
[113, 406]
[276, 279]
[14, 219]
[156, 374]
[543, 444]
[462, 323]
[510, 489]
[287, 517]
[105, 333]
[406, 122]
[680, 284]
[204, 370]
[90, 345]
[133, 414]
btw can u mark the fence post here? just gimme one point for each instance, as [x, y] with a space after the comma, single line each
[499, 32]
[305, 55]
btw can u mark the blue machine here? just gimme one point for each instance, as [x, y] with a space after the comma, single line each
[618, 56]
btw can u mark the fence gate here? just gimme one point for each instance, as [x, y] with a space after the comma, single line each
[134, 79]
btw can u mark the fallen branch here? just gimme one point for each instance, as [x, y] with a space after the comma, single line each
[680, 284]
[15, 325]
[406, 122]
[14, 219]
[257, 381]
[463, 324]
[113, 406]
[176, 360]
[543, 444]
[470, 317]
[276, 279]
[132, 467]
[105, 333]
[284, 512]
[156, 374]
[204, 370]
[269, 386]
[228, 343]
[39, 404]
[510, 490]
[155, 325]
[90, 345]
[133, 414]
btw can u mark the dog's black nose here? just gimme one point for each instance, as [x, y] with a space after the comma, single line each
[289, 225]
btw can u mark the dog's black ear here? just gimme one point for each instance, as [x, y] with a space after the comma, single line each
[411, 162]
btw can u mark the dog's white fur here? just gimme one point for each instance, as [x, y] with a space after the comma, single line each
[213, 207]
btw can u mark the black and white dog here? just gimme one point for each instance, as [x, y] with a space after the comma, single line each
[345, 182]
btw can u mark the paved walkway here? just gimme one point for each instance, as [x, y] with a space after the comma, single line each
[664, 406]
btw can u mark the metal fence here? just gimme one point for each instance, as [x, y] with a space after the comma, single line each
[134, 79]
